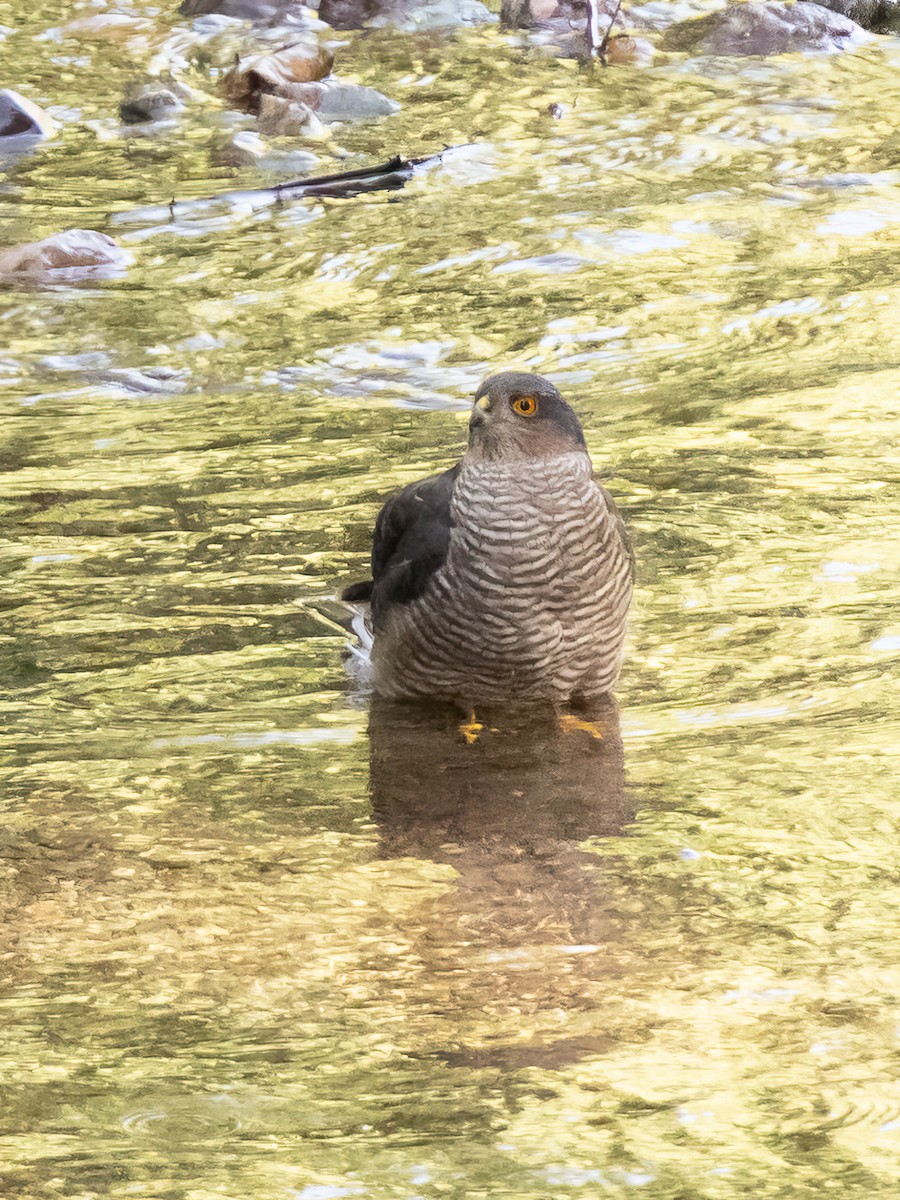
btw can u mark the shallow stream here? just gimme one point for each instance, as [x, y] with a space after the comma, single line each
[262, 944]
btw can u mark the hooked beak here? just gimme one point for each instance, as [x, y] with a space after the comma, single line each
[480, 413]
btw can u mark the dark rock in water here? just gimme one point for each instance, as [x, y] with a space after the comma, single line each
[74, 254]
[755, 28]
[258, 11]
[408, 15]
[880, 16]
[334, 100]
[149, 102]
[20, 118]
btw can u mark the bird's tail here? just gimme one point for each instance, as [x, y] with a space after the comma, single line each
[358, 654]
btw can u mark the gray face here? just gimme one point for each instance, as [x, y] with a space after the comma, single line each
[522, 416]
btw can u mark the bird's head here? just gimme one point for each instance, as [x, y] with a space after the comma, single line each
[522, 416]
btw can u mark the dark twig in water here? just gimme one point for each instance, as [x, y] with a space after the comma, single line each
[605, 43]
[597, 46]
[387, 176]
[392, 174]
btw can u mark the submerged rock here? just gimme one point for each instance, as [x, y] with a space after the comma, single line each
[243, 149]
[145, 381]
[247, 149]
[408, 15]
[114, 27]
[21, 118]
[150, 102]
[281, 117]
[755, 28]
[74, 254]
[262, 74]
[334, 100]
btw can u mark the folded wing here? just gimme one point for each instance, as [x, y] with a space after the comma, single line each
[412, 536]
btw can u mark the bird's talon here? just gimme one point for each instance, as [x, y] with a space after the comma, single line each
[471, 729]
[569, 724]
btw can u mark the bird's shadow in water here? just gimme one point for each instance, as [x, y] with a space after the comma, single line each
[524, 787]
[511, 813]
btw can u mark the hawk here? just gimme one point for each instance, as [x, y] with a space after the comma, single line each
[507, 577]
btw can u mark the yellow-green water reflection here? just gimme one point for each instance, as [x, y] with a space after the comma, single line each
[259, 944]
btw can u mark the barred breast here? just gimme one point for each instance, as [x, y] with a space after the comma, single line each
[532, 598]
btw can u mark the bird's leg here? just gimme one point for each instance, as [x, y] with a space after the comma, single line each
[471, 728]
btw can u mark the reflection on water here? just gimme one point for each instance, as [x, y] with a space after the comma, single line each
[525, 788]
[259, 941]
[509, 813]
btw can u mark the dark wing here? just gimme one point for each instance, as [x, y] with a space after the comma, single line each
[412, 535]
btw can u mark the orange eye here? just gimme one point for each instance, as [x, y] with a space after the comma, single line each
[525, 406]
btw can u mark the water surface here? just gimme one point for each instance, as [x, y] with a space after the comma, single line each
[262, 943]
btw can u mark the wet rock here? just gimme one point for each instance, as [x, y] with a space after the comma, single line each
[146, 381]
[625, 50]
[281, 117]
[532, 14]
[408, 15]
[657, 15]
[150, 102]
[880, 16]
[249, 80]
[755, 28]
[554, 14]
[258, 11]
[243, 149]
[74, 254]
[248, 149]
[20, 118]
[94, 367]
[562, 24]
[334, 100]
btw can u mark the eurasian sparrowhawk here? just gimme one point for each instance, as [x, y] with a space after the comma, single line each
[509, 576]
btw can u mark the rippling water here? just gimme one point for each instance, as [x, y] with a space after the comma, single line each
[261, 942]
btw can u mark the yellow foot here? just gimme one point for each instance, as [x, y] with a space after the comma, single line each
[569, 724]
[470, 729]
